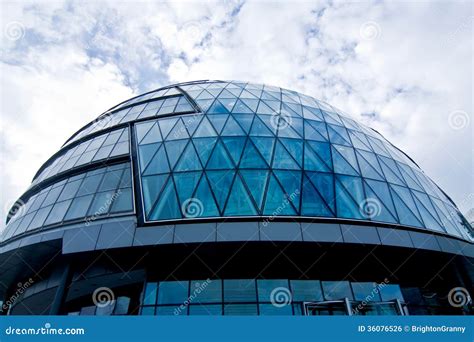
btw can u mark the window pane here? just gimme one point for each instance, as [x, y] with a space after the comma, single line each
[366, 291]
[240, 309]
[148, 311]
[171, 311]
[203, 291]
[57, 213]
[240, 290]
[268, 290]
[335, 290]
[173, 292]
[270, 309]
[211, 309]
[150, 293]
[306, 290]
[79, 207]
[391, 292]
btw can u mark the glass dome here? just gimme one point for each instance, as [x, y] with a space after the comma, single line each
[218, 149]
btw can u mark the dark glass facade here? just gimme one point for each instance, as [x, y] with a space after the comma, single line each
[258, 169]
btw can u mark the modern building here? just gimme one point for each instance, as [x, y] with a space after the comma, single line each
[232, 198]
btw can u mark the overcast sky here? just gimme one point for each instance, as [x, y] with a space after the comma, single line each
[405, 69]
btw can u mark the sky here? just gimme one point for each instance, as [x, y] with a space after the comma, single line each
[403, 68]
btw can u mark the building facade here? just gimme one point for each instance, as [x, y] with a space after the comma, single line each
[232, 198]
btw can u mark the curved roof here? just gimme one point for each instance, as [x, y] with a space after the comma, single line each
[212, 149]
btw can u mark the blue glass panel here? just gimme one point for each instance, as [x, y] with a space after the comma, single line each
[390, 170]
[205, 310]
[428, 213]
[324, 184]
[221, 182]
[143, 128]
[446, 219]
[204, 147]
[251, 159]
[312, 113]
[283, 160]
[206, 291]
[217, 108]
[204, 194]
[338, 135]
[409, 177]
[350, 197]
[276, 202]
[235, 146]
[167, 206]
[219, 158]
[369, 166]
[173, 292]
[312, 202]
[240, 309]
[245, 121]
[158, 164]
[256, 181]
[179, 131]
[191, 122]
[306, 290]
[312, 162]
[344, 160]
[186, 183]
[205, 129]
[232, 128]
[295, 148]
[322, 151]
[152, 136]
[266, 287]
[259, 128]
[384, 209]
[359, 140]
[263, 108]
[239, 290]
[149, 297]
[367, 291]
[337, 290]
[291, 183]
[406, 209]
[265, 147]
[241, 107]
[251, 103]
[174, 150]
[166, 126]
[239, 203]
[218, 121]
[189, 160]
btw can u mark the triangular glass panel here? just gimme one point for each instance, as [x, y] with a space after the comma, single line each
[390, 170]
[291, 183]
[312, 161]
[349, 197]
[235, 146]
[378, 193]
[251, 103]
[406, 209]
[146, 152]
[234, 91]
[158, 164]
[218, 121]
[166, 126]
[359, 140]
[295, 147]
[276, 199]
[286, 110]
[167, 206]
[312, 113]
[204, 147]
[344, 160]
[332, 118]
[219, 158]
[369, 166]
[174, 150]
[205, 104]
[445, 217]
[409, 177]
[221, 182]
[378, 146]
[256, 181]
[205, 129]
[324, 185]
[142, 130]
[240, 107]
[152, 186]
[288, 98]
[191, 122]
[310, 133]
[179, 131]
[338, 135]
[256, 92]
[265, 147]
[205, 95]
[269, 121]
[217, 108]
[247, 95]
[214, 91]
[232, 128]
[239, 202]
[284, 127]
[226, 94]
[296, 108]
[245, 121]
[283, 160]
[186, 183]
[228, 103]
[264, 109]
[312, 203]
[323, 152]
[189, 160]
[204, 197]
[427, 211]
[267, 96]
[259, 128]
[251, 158]
[275, 105]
